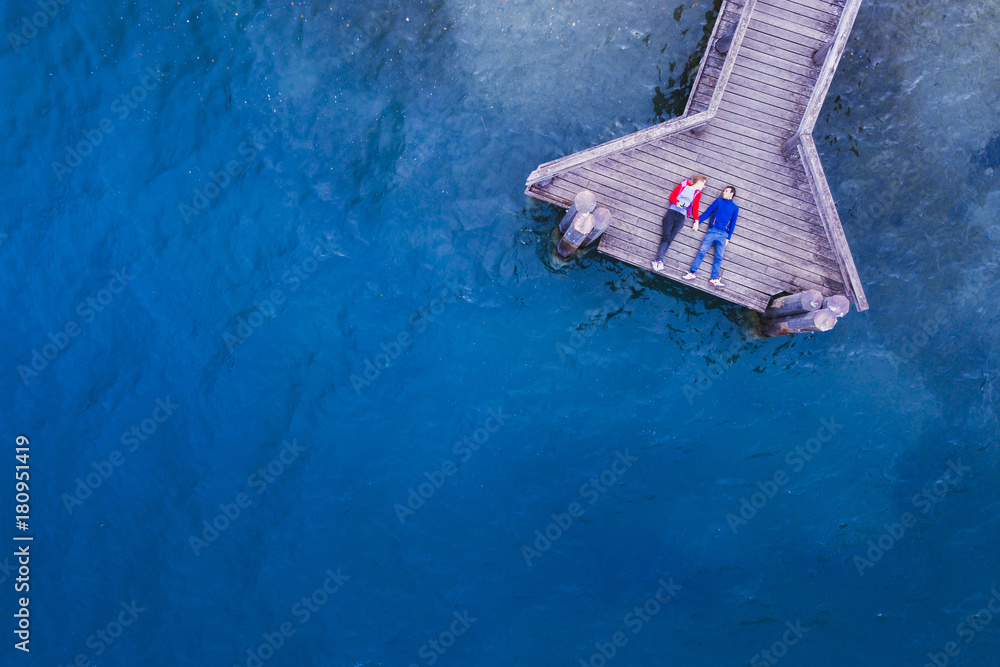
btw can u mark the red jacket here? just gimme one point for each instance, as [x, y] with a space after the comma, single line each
[695, 203]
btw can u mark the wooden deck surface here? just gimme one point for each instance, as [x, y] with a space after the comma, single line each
[784, 242]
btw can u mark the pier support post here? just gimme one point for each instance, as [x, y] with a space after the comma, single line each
[819, 57]
[698, 130]
[790, 144]
[794, 304]
[724, 43]
[817, 320]
[839, 304]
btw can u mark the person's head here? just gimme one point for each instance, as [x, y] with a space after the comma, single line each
[729, 192]
[698, 181]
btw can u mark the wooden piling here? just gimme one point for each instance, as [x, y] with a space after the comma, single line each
[817, 320]
[819, 57]
[839, 304]
[794, 304]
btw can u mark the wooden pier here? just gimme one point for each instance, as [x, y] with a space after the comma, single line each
[748, 123]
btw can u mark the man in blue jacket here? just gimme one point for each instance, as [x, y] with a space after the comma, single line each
[722, 214]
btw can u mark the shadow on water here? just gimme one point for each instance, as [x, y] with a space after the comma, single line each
[989, 157]
[671, 104]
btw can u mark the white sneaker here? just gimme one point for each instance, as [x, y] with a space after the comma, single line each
[689, 276]
[657, 266]
[717, 282]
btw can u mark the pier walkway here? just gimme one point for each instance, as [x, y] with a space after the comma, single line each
[748, 123]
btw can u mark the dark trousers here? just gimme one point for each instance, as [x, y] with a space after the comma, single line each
[673, 222]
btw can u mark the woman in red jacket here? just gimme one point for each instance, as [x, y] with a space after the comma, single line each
[684, 200]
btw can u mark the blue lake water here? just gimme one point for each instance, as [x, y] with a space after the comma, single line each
[302, 380]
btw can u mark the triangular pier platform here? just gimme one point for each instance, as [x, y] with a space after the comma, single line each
[748, 123]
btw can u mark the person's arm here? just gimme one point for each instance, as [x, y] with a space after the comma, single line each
[732, 221]
[710, 212]
[695, 205]
[677, 191]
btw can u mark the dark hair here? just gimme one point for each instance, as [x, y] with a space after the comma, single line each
[730, 187]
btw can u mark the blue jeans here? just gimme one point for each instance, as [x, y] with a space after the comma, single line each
[715, 237]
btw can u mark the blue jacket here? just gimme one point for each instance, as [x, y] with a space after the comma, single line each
[723, 213]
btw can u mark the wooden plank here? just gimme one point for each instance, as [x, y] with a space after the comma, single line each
[778, 64]
[751, 136]
[730, 9]
[767, 96]
[776, 84]
[790, 40]
[830, 66]
[740, 115]
[782, 80]
[763, 41]
[739, 141]
[741, 29]
[828, 210]
[680, 124]
[748, 105]
[819, 14]
[810, 7]
[793, 24]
